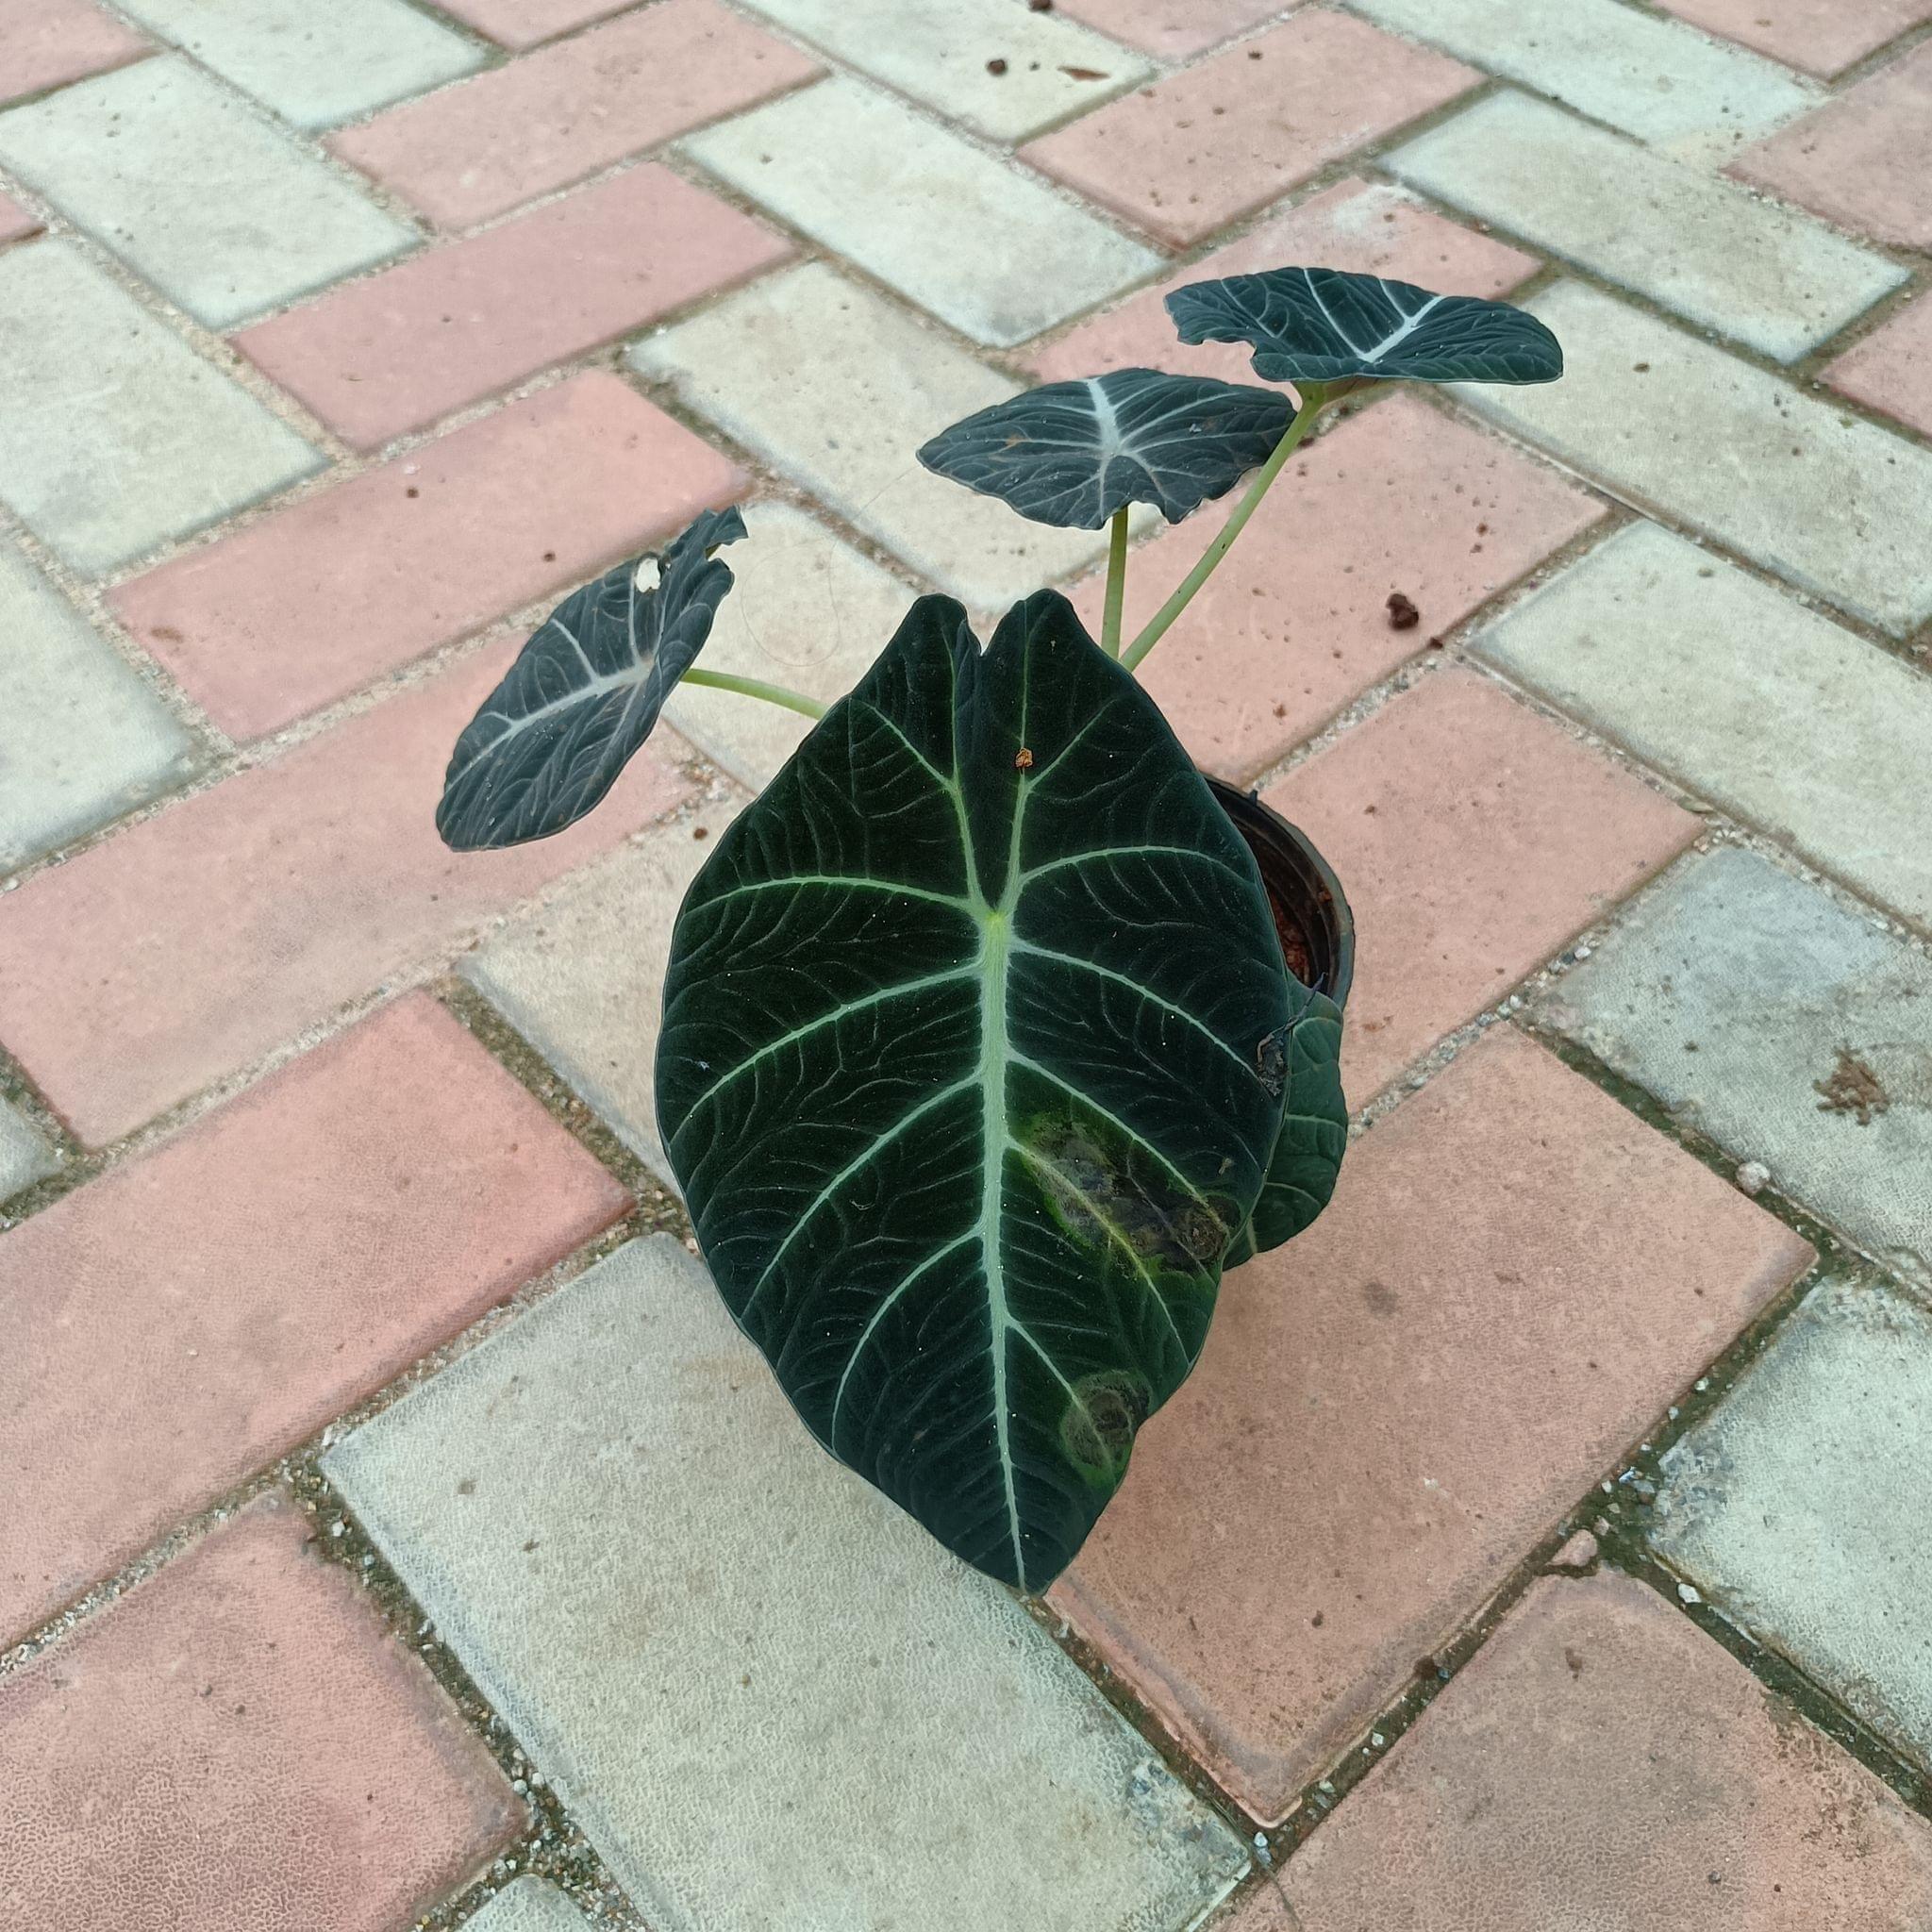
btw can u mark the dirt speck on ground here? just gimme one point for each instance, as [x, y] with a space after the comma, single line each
[1402, 615]
[1853, 1087]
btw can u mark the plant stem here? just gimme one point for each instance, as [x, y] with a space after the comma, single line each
[1116, 584]
[1313, 399]
[751, 687]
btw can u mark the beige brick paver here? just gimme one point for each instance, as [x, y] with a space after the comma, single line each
[927, 213]
[193, 943]
[1866, 158]
[392, 353]
[201, 194]
[1605, 1764]
[263, 1309]
[321, 598]
[498, 139]
[238, 1745]
[49, 42]
[1514, 1278]
[1295, 626]
[1192, 154]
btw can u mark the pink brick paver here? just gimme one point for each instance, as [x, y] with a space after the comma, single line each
[1174, 29]
[1892, 369]
[1822, 36]
[1295, 625]
[402, 349]
[1605, 1764]
[1363, 226]
[16, 223]
[318, 600]
[190, 945]
[1195, 152]
[519, 24]
[174, 1327]
[500, 138]
[1514, 1279]
[46, 43]
[1474, 839]
[1864, 158]
[238, 1745]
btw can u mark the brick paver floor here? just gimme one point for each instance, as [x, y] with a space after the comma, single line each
[394, 1530]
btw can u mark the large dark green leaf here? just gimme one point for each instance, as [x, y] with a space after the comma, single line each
[970, 1069]
[1314, 1131]
[1074, 453]
[584, 693]
[1319, 325]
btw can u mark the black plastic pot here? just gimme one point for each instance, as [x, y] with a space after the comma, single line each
[1310, 911]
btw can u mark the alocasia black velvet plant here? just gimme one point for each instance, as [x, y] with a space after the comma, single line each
[994, 1032]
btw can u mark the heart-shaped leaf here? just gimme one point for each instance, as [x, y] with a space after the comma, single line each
[1074, 453]
[584, 693]
[1319, 324]
[1314, 1131]
[970, 1069]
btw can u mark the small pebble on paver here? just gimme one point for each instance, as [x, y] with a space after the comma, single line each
[1822, 36]
[1866, 158]
[1740, 693]
[50, 43]
[1198, 150]
[954, 229]
[1799, 1505]
[1174, 29]
[1790, 1030]
[938, 52]
[295, 1251]
[1649, 76]
[1603, 1764]
[200, 193]
[530, 1904]
[314, 65]
[238, 1745]
[1890, 370]
[25, 1156]
[397, 350]
[937, 1762]
[805, 611]
[1832, 503]
[1707, 248]
[581, 977]
[1296, 626]
[837, 387]
[182, 950]
[1578, 1554]
[1474, 839]
[1515, 1277]
[91, 385]
[1367, 227]
[490, 144]
[82, 739]
[319, 599]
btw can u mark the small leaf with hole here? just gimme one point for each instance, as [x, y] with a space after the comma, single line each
[584, 693]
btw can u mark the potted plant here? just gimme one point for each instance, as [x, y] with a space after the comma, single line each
[994, 1031]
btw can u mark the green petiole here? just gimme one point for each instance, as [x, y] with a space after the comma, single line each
[752, 688]
[1313, 396]
[1116, 583]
